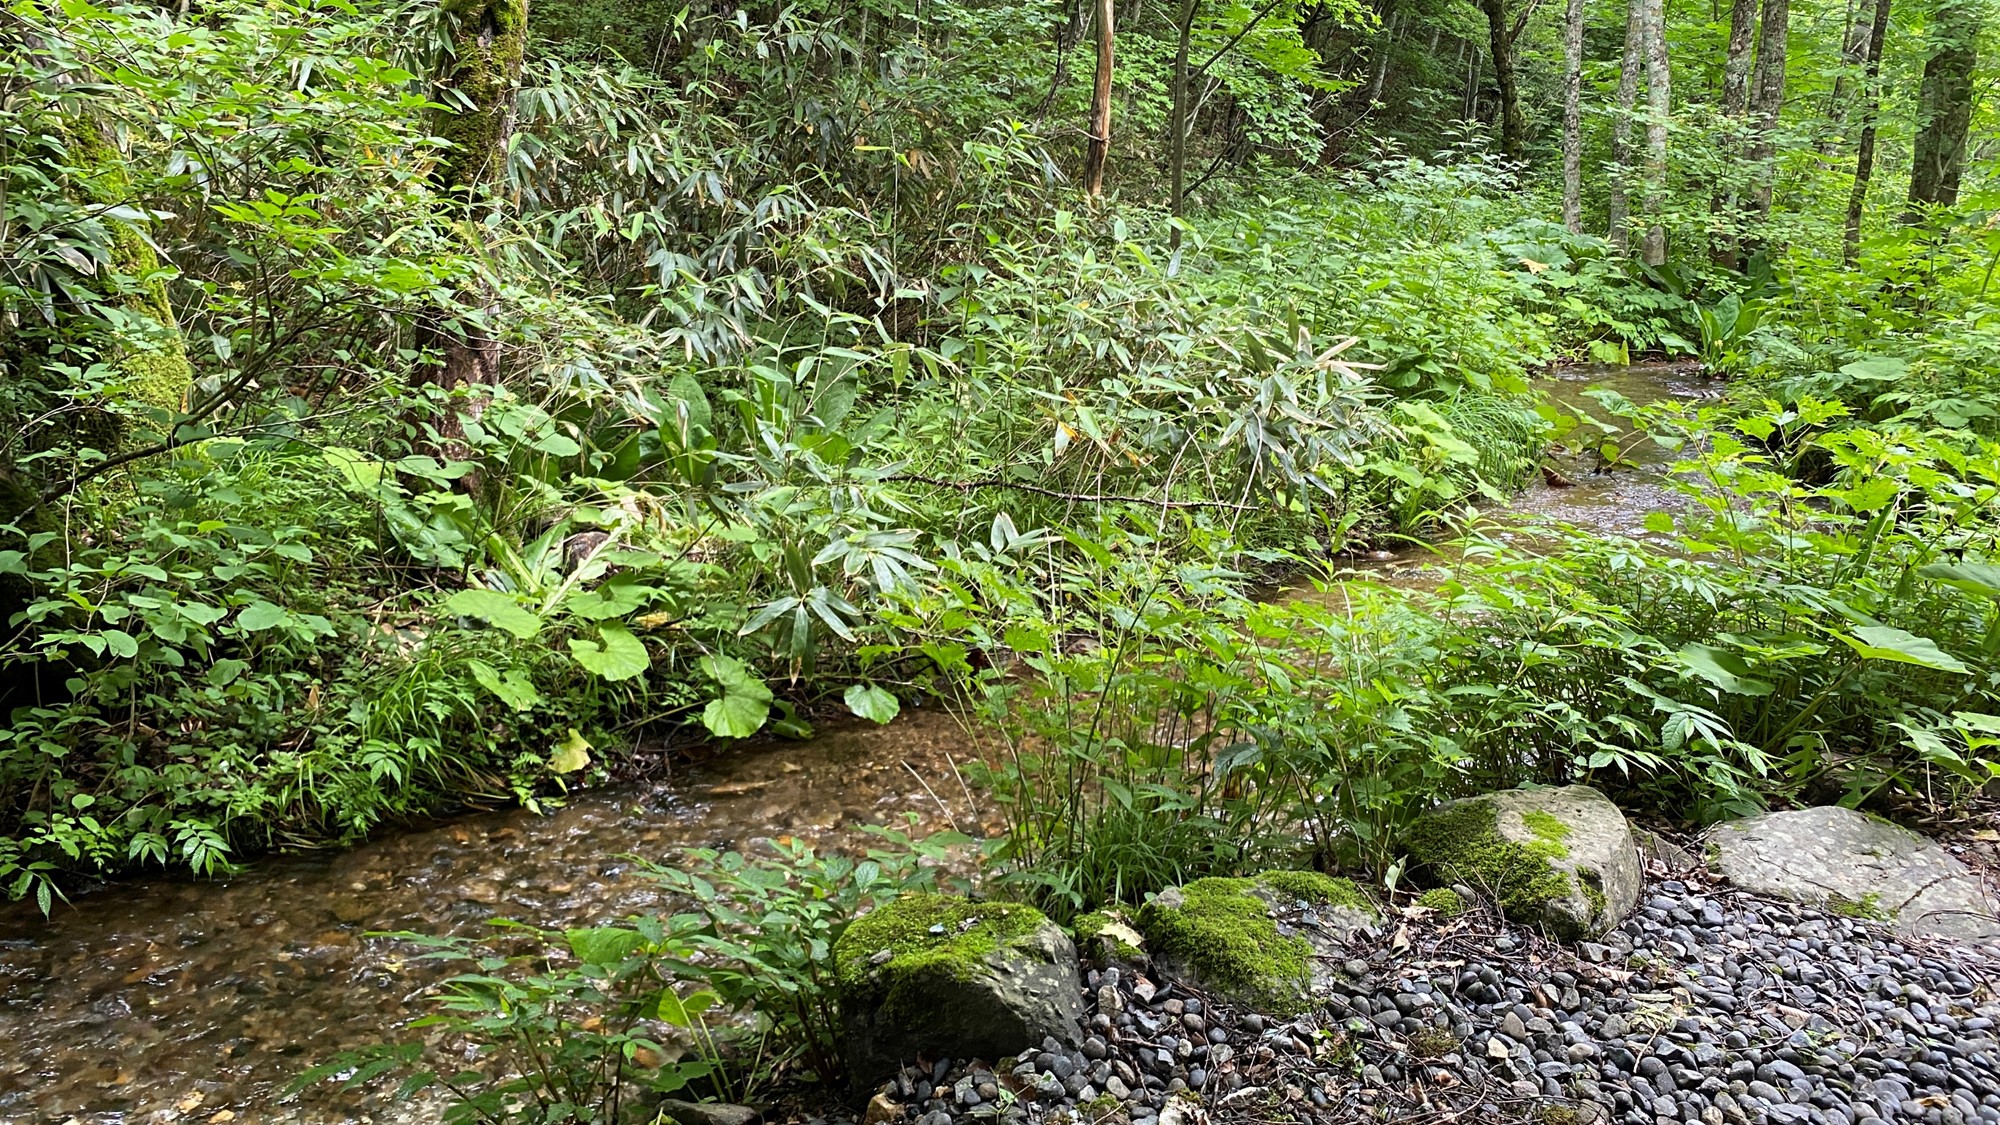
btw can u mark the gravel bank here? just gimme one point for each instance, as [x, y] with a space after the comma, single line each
[1707, 1006]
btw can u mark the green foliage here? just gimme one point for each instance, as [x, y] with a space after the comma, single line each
[726, 1000]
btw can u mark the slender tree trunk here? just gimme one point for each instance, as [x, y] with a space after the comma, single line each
[476, 91]
[1944, 112]
[1513, 125]
[1382, 62]
[1659, 112]
[1572, 136]
[1725, 220]
[1853, 57]
[1767, 98]
[1864, 156]
[1177, 123]
[1099, 151]
[1619, 232]
[1472, 72]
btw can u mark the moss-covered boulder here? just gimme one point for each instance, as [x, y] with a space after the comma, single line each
[1108, 937]
[1268, 942]
[1563, 859]
[941, 976]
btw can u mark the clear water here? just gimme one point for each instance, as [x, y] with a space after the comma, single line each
[168, 1001]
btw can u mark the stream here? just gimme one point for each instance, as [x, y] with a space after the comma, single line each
[153, 1001]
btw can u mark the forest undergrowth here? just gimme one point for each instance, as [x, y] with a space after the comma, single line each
[410, 406]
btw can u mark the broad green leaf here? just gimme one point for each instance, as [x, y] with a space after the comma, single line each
[358, 471]
[121, 643]
[616, 655]
[1880, 642]
[1724, 669]
[571, 754]
[513, 688]
[498, 609]
[1974, 578]
[604, 945]
[683, 1011]
[259, 616]
[224, 672]
[686, 390]
[871, 702]
[735, 715]
[727, 671]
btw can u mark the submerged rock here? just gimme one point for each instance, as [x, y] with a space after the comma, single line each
[1563, 859]
[1858, 865]
[1264, 942]
[942, 976]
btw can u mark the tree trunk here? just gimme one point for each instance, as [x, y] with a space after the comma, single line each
[1944, 110]
[1572, 136]
[1382, 62]
[1472, 71]
[1177, 122]
[1659, 111]
[1864, 156]
[1513, 126]
[1619, 232]
[1767, 97]
[487, 38]
[1735, 102]
[1736, 64]
[1853, 57]
[147, 352]
[1100, 105]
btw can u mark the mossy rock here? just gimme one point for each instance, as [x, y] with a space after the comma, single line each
[1261, 941]
[936, 975]
[1563, 859]
[1108, 937]
[1445, 901]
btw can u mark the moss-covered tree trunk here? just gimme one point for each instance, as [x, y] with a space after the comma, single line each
[475, 89]
[152, 375]
[1944, 104]
[1767, 98]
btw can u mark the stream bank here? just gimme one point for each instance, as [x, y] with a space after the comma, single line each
[154, 1002]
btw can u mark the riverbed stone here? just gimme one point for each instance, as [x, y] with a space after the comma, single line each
[1859, 865]
[1271, 942]
[1563, 859]
[946, 977]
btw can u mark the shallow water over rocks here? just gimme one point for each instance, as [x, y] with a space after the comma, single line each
[151, 1002]
[147, 1002]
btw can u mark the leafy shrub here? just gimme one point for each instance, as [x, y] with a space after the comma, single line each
[731, 999]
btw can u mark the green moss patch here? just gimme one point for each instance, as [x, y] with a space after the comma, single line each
[931, 940]
[1103, 934]
[1868, 906]
[1462, 842]
[1445, 901]
[1223, 929]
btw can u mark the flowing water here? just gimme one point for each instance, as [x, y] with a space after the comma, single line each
[1580, 493]
[166, 1001]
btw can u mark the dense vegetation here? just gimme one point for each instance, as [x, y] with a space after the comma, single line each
[411, 404]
